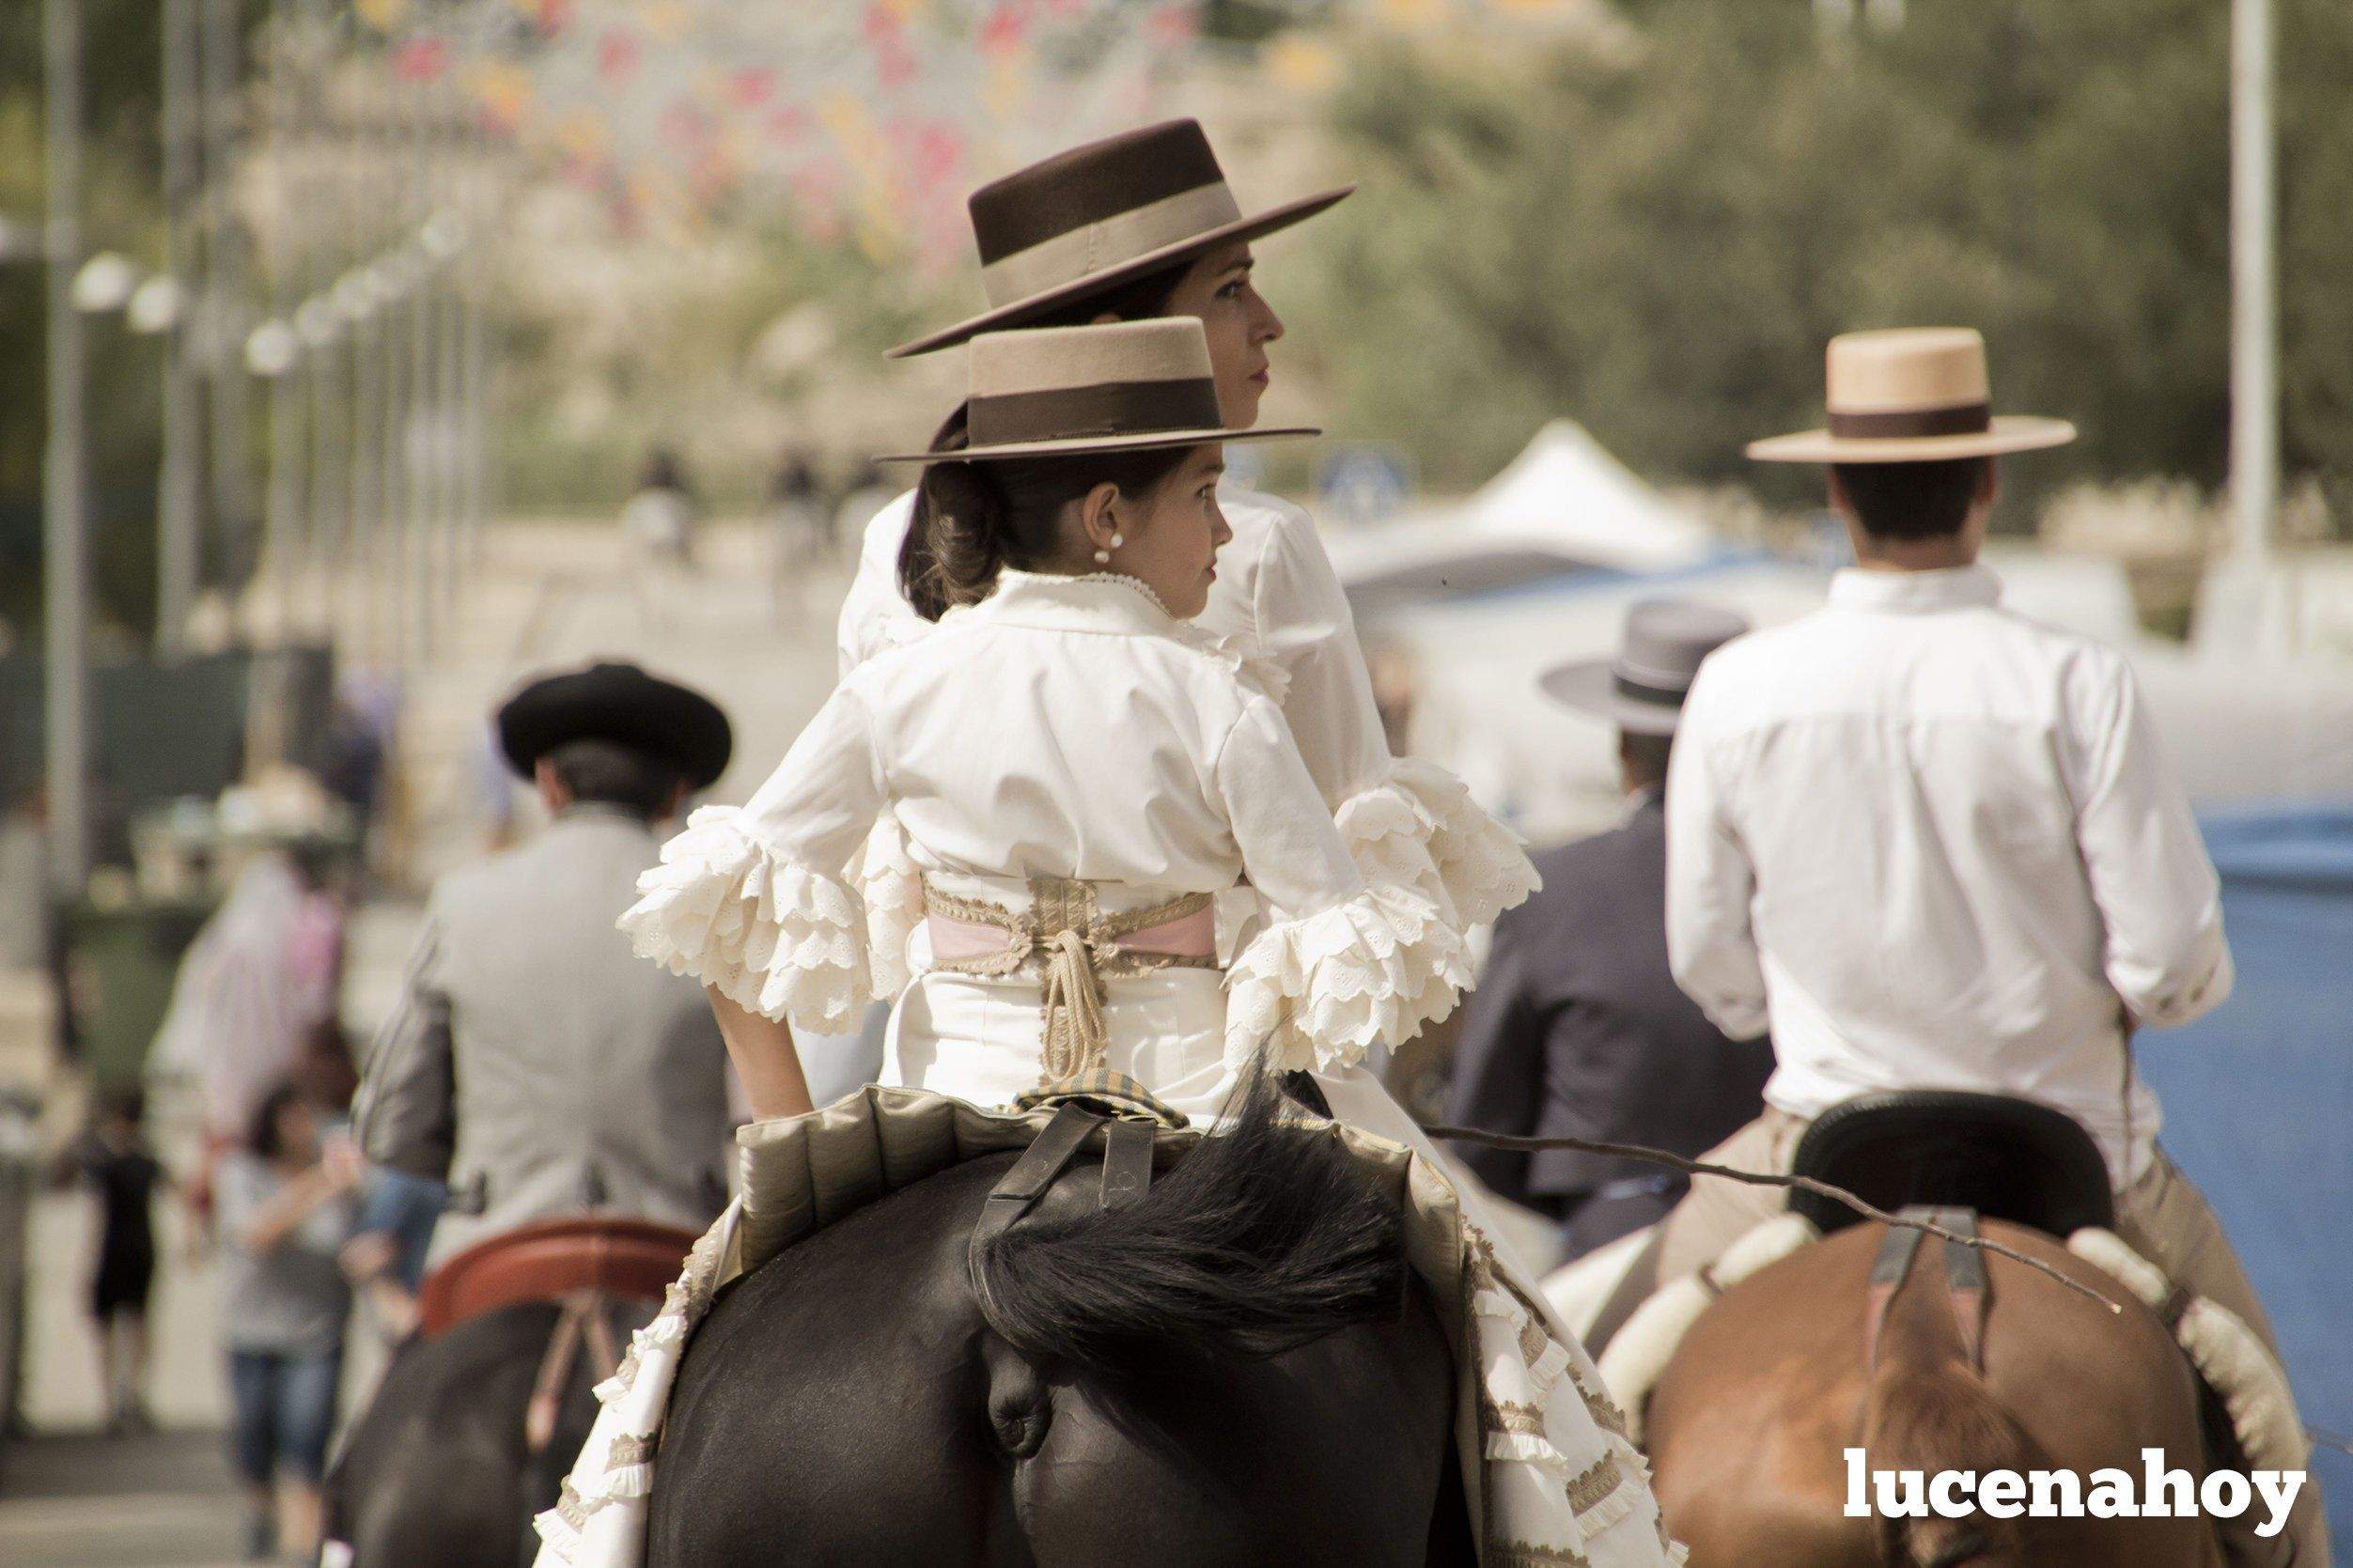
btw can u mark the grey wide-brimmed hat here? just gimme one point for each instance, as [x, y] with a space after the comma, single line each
[1119, 386]
[1642, 690]
[1087, 221]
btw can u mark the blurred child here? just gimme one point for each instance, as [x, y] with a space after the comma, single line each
[113, 1158]
[285, 1210]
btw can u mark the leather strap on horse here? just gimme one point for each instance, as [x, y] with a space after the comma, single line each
[1517, 1143]
[1965, 1279]
[1966, 1283]
[582, 1318]
[1128, 1148]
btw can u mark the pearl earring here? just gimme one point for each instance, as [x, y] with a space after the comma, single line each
[1103, 557]
[1118, 539]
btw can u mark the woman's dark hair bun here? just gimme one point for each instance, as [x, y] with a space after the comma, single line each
[961, 514]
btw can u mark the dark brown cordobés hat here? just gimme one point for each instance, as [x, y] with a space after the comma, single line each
[1086, 221]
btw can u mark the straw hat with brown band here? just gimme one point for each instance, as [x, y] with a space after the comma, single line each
[1087, 221]
[1118, 386]
[1911, 395]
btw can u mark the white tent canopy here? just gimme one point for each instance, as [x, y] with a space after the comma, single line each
[1563, 503]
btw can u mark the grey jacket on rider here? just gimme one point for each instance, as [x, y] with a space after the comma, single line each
[534, 1062]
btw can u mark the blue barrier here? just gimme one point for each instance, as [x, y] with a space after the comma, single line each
[2258, 1097]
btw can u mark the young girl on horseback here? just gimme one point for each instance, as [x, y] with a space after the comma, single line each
[1077, 777]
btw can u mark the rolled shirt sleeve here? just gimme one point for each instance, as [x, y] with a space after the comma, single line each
[2159, 900]
[1711, 884]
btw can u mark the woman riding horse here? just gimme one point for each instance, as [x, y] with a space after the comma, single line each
[1079, 776]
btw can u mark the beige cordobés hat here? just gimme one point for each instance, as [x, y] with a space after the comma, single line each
[1912, 395]
[1086, 221]
[1114, 387]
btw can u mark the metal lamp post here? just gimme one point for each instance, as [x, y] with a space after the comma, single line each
[65, 544]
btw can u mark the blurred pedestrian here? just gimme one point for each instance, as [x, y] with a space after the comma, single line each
[1577, 1028]
[801, 532]
[285, 1210]
[659, 521]
[256, 996]
[113, 1159]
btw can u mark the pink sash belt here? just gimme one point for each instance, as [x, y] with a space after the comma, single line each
[1076, 946]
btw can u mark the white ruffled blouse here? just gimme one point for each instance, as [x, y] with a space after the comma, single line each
[1066, 728]
[1278, 606]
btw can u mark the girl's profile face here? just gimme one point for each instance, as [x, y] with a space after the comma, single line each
[1173, 531]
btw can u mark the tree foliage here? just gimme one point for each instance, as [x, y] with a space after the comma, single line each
[1657, 237]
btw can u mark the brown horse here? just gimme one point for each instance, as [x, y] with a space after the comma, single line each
[1748, 1424]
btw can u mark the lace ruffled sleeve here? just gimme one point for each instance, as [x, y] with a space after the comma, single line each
[1419, 826]
[1345, 963]
[757, 901]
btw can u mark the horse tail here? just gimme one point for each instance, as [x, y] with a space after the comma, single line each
[1927, 1410]
[1265, 1236]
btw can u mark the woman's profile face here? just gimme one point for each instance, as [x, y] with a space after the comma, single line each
[1172, 533]
[1239, 322]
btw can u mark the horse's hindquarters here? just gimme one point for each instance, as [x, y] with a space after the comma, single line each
[1333, 1452]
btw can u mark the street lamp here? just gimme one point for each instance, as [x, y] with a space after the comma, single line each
[65, 498]
[158, 305]
[104, 283]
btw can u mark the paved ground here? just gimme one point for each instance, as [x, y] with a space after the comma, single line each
[85, 1501]
[544, 594]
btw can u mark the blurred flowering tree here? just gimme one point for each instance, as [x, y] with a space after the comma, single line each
[1653, 227]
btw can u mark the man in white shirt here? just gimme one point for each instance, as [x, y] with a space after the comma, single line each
[1930, 843]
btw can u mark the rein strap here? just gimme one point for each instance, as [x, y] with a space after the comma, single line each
[1753, 1178]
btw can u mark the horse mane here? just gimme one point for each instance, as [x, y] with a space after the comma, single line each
[1266, 1236]
[1928, 1410]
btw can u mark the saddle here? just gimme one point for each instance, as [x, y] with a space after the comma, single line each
[554, 1261]
[2003, 1158]
[1952, 1158]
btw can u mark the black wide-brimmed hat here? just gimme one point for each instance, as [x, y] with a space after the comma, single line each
[1643, 689]
[1118, 386]
[1086, 221]
[620, 703]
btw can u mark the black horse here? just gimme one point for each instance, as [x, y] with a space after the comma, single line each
[1238, 1369]
[438, 1470]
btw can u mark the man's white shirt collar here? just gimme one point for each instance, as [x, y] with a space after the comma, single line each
[1945, 588]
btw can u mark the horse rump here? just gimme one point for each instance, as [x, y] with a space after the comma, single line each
[1928, 1410]
[1266, 1236]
